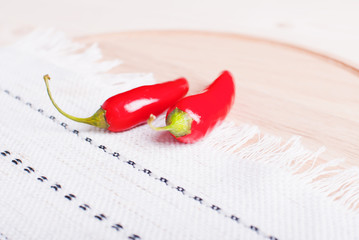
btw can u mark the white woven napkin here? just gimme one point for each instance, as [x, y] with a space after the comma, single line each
[63, 180]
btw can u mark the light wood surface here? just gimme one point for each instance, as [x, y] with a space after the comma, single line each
[280, 88]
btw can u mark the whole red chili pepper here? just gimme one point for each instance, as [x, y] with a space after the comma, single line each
[129, 109]
[192, 117]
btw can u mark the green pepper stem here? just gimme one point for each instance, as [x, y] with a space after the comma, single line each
[178, 123]
[98, 119]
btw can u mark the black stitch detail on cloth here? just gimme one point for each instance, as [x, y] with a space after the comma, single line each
[84, 207]
[5, 153]
[16, 161]
[234, 218]
[3, 236]
[198, 199]
[180, 189]
[100, 217]
[56, 187]
[7, 91]
[70, 196]
[147, 171]
[134, 237]
[164, 180]
[254, 228]
[88, 140]
[40, 110]
[42, 178]
[273, 238]
[150, 174]
[116, 154]
[52, 117]
[117, 226]
[132, 163]
[102, 147]
[215, 208]
[29, 169]
[75, 132]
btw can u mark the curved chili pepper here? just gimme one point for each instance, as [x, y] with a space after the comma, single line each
[129, 109]
[192, 117]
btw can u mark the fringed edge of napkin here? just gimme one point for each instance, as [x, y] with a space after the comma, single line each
[61, 51]
[336, 182]
[331, 178]
[56, 48]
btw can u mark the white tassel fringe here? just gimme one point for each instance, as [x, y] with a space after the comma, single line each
[339, 184]
[330, 178]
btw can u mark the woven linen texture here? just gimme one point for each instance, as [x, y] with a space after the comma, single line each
[63, 180]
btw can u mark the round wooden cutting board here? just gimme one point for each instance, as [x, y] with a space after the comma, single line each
[282, 89]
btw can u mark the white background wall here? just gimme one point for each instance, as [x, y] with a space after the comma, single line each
[331, 27]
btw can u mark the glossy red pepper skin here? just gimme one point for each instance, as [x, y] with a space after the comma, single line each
[207, 108]
[129, 109]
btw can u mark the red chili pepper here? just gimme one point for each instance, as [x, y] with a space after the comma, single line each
[129, 109]
[192, 117]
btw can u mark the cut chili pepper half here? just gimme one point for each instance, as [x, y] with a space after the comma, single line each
[193, 117]
[131, 108]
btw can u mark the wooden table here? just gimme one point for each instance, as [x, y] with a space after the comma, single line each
[283, 89]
